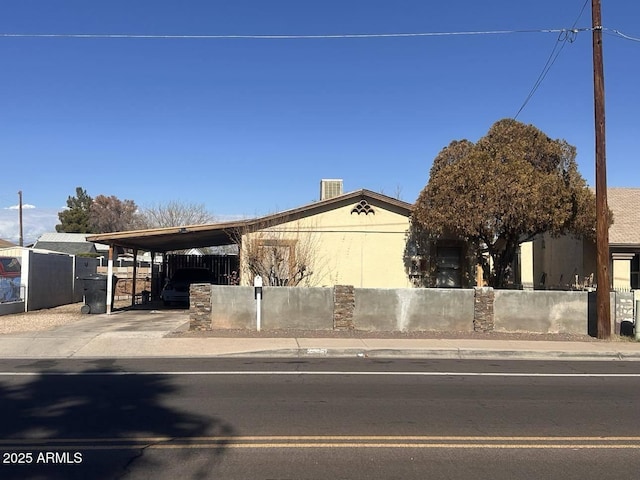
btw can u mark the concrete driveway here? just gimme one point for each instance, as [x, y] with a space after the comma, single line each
[67, 340]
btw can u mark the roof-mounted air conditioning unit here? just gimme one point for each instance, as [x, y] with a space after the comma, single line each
[330, 188]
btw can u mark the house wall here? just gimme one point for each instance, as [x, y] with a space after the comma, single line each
[364, 250]
[557, 261]
[561, 259]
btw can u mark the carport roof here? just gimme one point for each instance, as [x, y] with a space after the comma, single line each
[173, 238]
[167, 239]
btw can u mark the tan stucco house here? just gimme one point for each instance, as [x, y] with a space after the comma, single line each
[361, 238]
[357, 238]
[570, 263]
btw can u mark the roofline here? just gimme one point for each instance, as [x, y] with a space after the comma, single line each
[127, 239]
[283, 216]
[149, 232]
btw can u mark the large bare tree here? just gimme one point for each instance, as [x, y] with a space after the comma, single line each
[174, 214]
[281, 256]
[513, 184]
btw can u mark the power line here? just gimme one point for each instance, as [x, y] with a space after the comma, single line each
[279, 37]
[563, 37]
[618, 33]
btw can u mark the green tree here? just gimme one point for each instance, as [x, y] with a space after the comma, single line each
[110, 214]
[75, 218]
[513, 184]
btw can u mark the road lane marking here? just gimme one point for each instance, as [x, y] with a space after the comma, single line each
[318, 373]
[421, 446]
[328, 441]
[301, 438]
[405, 446]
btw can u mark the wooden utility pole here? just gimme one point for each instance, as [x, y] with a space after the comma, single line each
[20, 213]
[603, 302]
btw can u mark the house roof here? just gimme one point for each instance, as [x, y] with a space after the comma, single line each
[189, 236]
[70, 248]
[625, 205]
[72, 243]
[6, 243]
[63, 237]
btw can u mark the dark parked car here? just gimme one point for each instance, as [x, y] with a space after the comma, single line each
[176, 290]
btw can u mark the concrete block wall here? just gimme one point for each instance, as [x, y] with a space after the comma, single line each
[282, 307]
[342, 308]
[410, 309]
[541, 311]
[413, 309]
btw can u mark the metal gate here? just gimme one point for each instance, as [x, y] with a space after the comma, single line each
[225, 268]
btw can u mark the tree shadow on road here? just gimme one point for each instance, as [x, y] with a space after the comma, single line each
[121, 425]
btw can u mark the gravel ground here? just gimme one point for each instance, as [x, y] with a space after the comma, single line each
[39, 320]
[46, 319]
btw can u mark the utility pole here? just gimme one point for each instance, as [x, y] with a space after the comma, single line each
[20, 210]
[603, 301]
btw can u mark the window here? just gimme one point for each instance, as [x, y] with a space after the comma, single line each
[277, 259]
[448, 271]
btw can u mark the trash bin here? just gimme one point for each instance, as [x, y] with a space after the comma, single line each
[95, 293]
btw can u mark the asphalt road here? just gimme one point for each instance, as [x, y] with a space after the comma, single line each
[317, 419]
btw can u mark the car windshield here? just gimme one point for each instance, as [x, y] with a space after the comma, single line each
[195, 275]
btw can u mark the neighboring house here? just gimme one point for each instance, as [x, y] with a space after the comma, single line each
[71, 243]
[570, 263]
[624, 237]
[6, 243]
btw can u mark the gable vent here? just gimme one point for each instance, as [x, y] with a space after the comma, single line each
[330, 188]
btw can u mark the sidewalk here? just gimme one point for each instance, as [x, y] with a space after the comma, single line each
[147, 334]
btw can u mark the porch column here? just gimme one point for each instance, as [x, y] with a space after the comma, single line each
[526, 265]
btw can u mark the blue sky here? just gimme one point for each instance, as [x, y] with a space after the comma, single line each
[250, 126]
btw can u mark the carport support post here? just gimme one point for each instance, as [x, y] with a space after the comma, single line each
[637, 320]
[135, 275]
[257, 284]
[109, 279]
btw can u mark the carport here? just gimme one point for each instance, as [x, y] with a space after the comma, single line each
[163, 240]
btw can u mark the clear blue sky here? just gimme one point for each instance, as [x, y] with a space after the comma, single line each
[250, 126]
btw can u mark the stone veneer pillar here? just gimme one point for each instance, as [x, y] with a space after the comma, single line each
[483, 316]
[200, 307]
[344, 304]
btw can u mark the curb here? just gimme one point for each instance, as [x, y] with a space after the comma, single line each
[446, 354]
